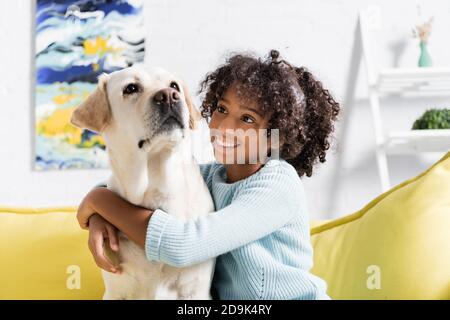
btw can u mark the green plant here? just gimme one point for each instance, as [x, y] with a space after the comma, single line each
[433, 119]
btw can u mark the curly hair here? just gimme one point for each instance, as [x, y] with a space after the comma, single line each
[299, 107]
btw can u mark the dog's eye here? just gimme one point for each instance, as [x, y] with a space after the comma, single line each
[175, 86]
[131, 88]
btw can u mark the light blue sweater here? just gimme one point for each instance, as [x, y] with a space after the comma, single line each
[260, 234]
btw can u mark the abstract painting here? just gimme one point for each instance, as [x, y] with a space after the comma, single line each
[76, 41]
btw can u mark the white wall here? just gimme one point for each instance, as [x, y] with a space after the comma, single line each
[191, 38]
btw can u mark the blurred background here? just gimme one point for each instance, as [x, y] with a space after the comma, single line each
[191, 38]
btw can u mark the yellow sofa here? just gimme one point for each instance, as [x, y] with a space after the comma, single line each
[396, 247]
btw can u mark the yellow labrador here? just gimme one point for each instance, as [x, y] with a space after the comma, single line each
[145, 115]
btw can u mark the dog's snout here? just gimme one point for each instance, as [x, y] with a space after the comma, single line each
[166, 105]
[166, 97]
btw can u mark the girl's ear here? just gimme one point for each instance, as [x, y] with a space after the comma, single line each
[94, 113]
[194, 114]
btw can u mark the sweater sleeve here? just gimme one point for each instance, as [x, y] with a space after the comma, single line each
[205, 169]
[261, 206]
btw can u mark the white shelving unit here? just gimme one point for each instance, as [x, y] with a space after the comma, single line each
[411, 82]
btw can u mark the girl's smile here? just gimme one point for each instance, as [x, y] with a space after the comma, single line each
[220, 144]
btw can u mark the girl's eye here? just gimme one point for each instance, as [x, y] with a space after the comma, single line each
[130, 89]
[221, 109]
[248, 119]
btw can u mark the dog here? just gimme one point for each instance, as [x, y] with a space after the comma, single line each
[145, 115]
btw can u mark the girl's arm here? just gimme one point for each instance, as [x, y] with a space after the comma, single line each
[112, 207]
[128, 218]
[262, 205]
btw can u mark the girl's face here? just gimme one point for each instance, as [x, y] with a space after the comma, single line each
[238, 131]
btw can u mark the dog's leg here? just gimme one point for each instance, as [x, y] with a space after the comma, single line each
[118, 286]
[194, 283]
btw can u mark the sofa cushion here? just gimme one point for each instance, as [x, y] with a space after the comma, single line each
[44, 255]
[396, 247]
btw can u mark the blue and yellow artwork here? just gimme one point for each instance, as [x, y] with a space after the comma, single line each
[76, 41]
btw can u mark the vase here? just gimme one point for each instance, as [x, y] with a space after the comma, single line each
[425, 58]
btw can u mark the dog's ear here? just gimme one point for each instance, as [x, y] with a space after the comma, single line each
[194, 114]
[94, 113]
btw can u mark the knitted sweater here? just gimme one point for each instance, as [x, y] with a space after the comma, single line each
[259, 234]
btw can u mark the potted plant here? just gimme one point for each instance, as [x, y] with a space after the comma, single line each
[433, 119]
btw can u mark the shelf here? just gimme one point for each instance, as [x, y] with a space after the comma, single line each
[413, 141]
[419, 83]
[414, 81]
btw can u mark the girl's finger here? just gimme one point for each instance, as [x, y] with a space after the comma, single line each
[99, 254]
[113, 237]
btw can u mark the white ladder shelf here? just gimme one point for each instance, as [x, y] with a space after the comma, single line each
[415, 81]
[406, 82]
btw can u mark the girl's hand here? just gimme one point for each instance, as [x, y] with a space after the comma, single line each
[99, 231]
[130, 219]
[85, 209]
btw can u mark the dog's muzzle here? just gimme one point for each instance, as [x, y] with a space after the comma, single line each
[167, 105]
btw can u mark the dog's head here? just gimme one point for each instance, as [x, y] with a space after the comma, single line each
[140, 105]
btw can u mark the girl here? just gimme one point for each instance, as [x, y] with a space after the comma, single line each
[260, 231]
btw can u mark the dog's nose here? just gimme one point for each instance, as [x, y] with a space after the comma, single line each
[166, 97]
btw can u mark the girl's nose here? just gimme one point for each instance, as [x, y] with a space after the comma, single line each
[226, 124]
